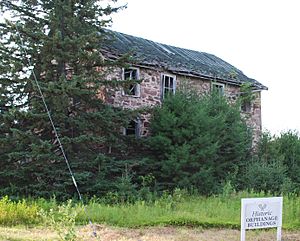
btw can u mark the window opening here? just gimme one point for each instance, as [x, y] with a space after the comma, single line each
[131, 88]
[218, 88]
[246, 106]
[246, 103]
[168, 85]
[133, 128]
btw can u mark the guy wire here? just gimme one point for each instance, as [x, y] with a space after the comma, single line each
[54, 129]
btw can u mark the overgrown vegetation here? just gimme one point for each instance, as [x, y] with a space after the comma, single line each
[198, 142]
[62, 219]
[18, 212]
[177, 208]
[62, 40]
[275, 166]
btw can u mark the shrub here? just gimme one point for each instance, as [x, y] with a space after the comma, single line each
[288, 145]
[266, 176]
[197, 141]
[62, 220]
[282, 152]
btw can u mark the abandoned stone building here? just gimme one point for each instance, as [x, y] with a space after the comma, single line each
[161, 69]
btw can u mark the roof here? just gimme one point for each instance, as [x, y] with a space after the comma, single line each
[178, 60]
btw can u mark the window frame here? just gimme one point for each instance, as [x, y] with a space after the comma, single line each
[163, 87]
[246, 105]
[214, 84]
[137, 85]
[137, 128]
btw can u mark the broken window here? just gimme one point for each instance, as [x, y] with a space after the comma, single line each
[246, 106]
[133, 128]
[131, 87]
[218, 88]
[245, 103]
[168, 85]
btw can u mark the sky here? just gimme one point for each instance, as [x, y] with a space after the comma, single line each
[259, 37]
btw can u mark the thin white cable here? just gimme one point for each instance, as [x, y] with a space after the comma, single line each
[54, 128]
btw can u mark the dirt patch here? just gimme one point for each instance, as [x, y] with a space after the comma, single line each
[106, 233]
[28, 234]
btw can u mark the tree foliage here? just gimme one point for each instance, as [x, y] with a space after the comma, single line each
[61, 41]
[198, 141]
[276, 165]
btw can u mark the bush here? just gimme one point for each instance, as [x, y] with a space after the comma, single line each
[62, 220]
[266, 176]
[282, 153]
[288, 145]
[197, 142]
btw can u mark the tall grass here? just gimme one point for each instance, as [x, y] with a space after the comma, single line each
[18, 212]
[176, 209]
[189, 210]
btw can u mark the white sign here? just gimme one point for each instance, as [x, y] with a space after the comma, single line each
[261, 213]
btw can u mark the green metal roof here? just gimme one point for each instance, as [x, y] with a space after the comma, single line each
[178, 60]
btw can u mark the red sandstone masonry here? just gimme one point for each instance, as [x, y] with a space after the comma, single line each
[150, 95]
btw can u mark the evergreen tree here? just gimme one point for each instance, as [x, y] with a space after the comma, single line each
[278, 156]
[62, 39]
[198, 142]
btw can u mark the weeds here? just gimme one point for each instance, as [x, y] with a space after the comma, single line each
[177, 208]
[18, 212]
[62, 220]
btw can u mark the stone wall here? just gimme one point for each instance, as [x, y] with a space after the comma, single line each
[253, 118]
[151, 92]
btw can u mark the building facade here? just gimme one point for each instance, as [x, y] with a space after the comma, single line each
[161, 69]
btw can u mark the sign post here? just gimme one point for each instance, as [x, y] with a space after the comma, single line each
[261, 213]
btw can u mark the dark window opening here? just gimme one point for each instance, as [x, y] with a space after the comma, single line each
[131, 88]
[246, 106]
[133, 128]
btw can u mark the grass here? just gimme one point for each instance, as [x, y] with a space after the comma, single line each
[177, 210]
[208, 212]
[194, 211]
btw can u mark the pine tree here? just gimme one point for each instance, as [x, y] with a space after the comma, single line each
[198, 142]
[62, 40]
